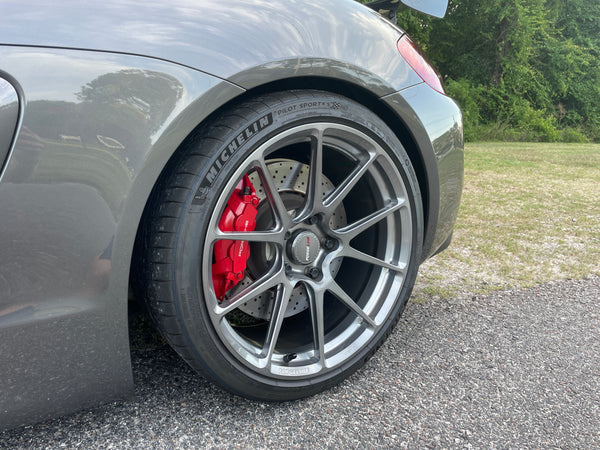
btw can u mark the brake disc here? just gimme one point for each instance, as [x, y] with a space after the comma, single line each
[291, 180]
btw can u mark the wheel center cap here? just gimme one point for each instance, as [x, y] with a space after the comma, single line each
[304, 247]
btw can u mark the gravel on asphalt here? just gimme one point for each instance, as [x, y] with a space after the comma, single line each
[510, 369]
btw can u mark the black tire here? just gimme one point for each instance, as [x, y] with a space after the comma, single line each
[315, 303]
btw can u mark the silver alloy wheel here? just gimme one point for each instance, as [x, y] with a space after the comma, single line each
[348, 303]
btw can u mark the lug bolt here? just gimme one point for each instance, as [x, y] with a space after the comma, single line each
[287, 235]
[313, 272]
[288, 269]
[329, 244]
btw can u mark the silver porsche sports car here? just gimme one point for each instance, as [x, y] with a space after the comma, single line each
[266, 176]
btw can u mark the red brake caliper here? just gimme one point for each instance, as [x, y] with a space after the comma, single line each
[231, 256]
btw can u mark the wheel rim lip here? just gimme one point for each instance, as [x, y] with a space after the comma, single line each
[355, 337]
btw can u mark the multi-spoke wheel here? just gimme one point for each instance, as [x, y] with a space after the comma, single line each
[284, 243]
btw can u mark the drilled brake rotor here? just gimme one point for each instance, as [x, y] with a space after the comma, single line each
[291, 179]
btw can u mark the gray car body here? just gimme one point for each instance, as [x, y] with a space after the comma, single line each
[97, 97]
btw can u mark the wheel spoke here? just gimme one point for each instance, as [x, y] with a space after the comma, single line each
[353, 253]
[250, 236]
[314, 195]
[318, 322]
[281, 301]
[334, 199]
[280, 213]
[342, 296]
[263, 284]
[349, 232]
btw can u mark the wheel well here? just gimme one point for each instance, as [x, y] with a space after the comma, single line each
[372, 102]
[349, 90]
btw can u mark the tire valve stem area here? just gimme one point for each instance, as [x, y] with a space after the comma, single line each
[289, 357]
[230, 257]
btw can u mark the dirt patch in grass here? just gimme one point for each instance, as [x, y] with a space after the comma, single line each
[530, 213]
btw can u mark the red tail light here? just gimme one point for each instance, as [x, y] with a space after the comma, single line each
[420, 65]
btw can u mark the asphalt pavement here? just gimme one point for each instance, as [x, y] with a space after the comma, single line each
[514, 369]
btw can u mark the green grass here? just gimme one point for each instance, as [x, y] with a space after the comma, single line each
[530, 213]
